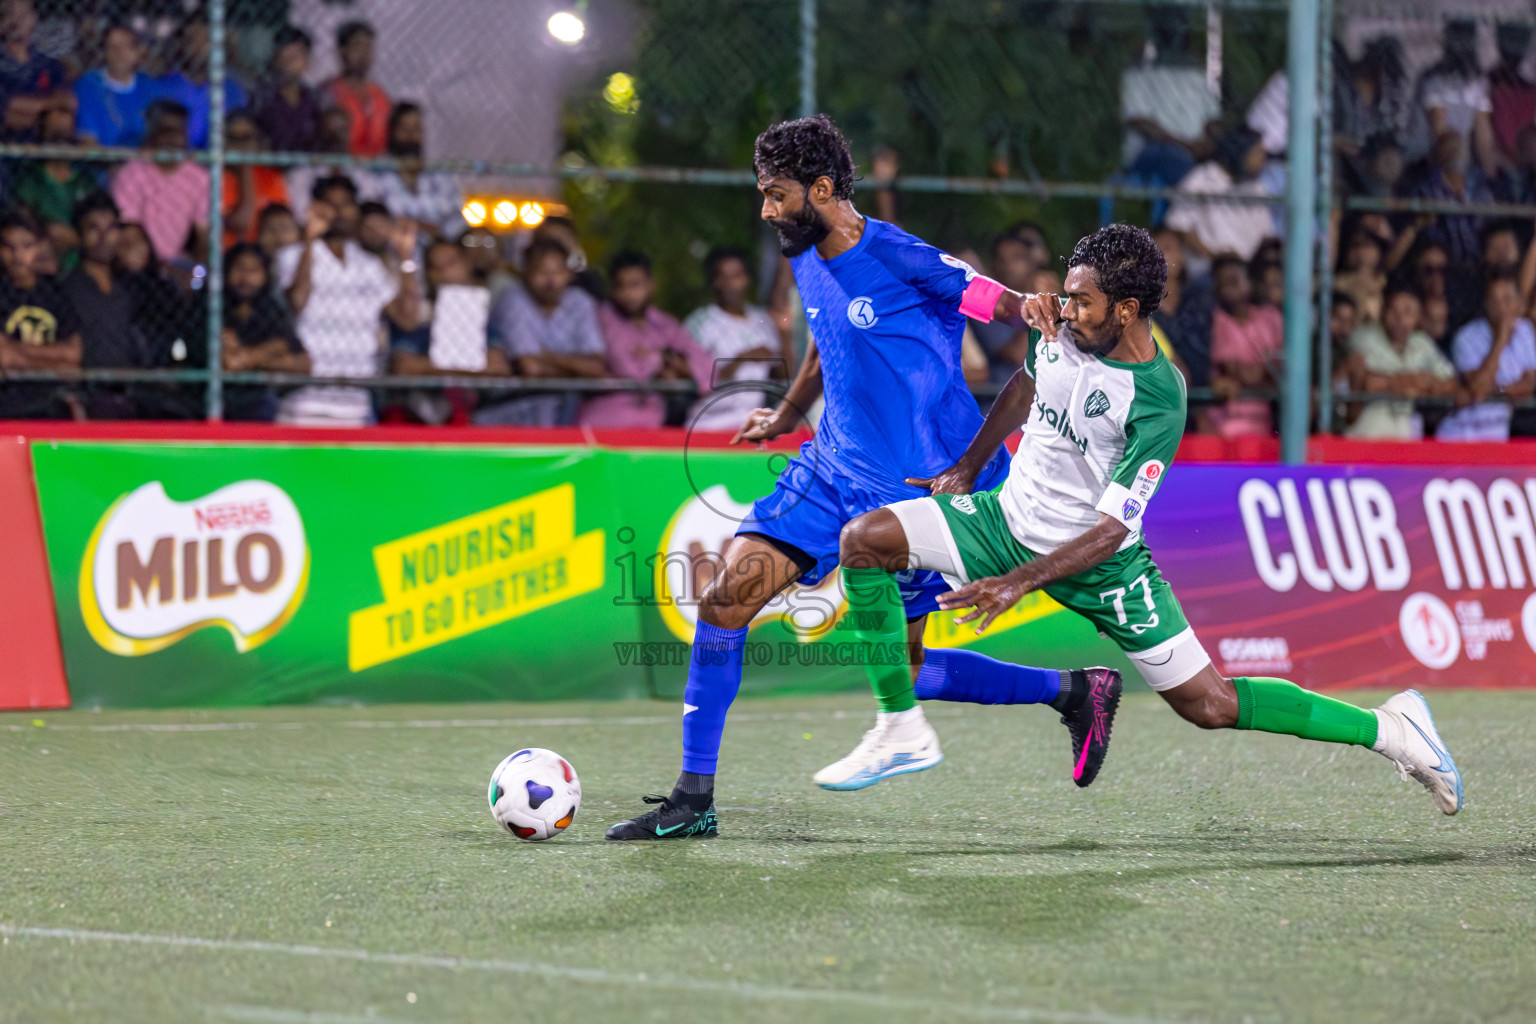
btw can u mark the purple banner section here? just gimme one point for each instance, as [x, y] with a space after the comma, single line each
[1340, 576]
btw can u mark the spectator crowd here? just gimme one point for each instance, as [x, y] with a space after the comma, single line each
[347, 274]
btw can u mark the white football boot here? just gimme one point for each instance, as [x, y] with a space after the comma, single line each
[1406, 736]
[900, 742]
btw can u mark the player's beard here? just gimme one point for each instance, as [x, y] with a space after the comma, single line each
[1103, 341]
[801, 230]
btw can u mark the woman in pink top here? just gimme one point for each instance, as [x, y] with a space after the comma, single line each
[643, 343]
[1246, 342]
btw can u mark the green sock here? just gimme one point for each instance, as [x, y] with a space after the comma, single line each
[874, 605]
[1275, 705]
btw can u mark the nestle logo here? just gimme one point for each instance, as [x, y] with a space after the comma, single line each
[1254, 649]
[233, 515]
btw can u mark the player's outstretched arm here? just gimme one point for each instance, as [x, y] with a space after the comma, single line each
[1007, 414]
[767, 424]
[990, 597]
[1040, 310]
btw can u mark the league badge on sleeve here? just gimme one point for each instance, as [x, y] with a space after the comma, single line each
[1131, 510]
[1147, 478]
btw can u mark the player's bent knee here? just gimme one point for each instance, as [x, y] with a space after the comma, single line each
[719, 606]
[872, 540]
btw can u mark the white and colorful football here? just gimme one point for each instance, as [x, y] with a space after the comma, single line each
[534, 794]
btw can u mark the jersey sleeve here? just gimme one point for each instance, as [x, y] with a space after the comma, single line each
[1030, 352]
[942, 278]
[1152, 434]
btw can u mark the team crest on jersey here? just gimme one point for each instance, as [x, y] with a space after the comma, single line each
[1131, 510]
[861, 313]
[964, 502]
[1096, 405]
[958, 264]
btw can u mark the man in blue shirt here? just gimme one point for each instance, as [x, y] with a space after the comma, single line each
[113, 97]
[887, 312]
[190, 86]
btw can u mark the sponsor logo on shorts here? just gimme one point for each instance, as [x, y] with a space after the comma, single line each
[861, 313]
[1131, 509]
[964, 503]
[1096, 405]
[1241, 654]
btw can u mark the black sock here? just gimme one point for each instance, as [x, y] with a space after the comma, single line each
[1074, 686]
[694, 791]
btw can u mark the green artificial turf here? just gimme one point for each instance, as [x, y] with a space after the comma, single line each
[337, 865]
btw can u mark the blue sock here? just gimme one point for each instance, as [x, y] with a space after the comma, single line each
[714, 676]
[969, 677]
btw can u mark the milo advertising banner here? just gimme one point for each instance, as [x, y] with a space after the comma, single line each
[198, 574]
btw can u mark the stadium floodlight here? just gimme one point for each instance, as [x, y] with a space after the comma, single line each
[505, 213]
[531, 214]
[474, 213]
[567, 27]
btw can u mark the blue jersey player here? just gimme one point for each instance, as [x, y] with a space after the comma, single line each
[886, 312]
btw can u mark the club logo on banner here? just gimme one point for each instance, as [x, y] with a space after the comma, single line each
[156, 570]
[461, 577]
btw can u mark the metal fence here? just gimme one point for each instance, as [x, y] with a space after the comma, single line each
[1002, 131]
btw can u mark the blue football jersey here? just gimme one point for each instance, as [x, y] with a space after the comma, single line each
[886, 319]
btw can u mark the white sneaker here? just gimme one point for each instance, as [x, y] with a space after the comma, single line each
[1406, 736]
[894, 746]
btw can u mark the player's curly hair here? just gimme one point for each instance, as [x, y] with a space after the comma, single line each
[1126, 263]
[806, 149]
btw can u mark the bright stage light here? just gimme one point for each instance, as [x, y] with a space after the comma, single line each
[567, 27]
[505, 213]
[531, 214]
[474, 213]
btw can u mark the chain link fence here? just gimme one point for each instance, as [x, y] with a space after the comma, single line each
[346, 211]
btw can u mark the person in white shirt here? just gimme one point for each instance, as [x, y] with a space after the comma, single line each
[746, 344]
[1497, 355]
[1454, 95]
[1395, 358]
[338, 292]
[1208, 227]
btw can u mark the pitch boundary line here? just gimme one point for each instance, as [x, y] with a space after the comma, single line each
[589, 975]
[454, 723]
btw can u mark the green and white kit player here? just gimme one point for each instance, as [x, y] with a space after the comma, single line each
[1102, 411]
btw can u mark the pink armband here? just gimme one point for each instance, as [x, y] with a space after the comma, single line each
[980, 298]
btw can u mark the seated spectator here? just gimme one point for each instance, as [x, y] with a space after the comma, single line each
[160, 308]
[374, 228]
[335, 126]
[276, 229]
[109, 335]
[742, 340]
[1393, 357]
[1451, 176]
[51, 188]
[248, 188]
[1343, 318]
[1511, 95]
[547, 329]
[562, 231]
[1363, 276]
[338, 292]
[1431, 270]
[1373, 105]
[1267, 272]
[431, 198]
[169, 198]
[1212, 226]
[41, 331]
[1517, 180]
[1246, 343]
[1165, 103]
[288, 109]
[31, 81]
[1013, 265]
[1184, 315]
[188, 85]
[365, 103]
[451, 337]
[1379, 166]
[1454, 95]
[1497, 356]
[643, 344]
[486, 262]
[258, 334]
[113, 98]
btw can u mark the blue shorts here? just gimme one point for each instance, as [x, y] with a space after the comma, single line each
[814, 498]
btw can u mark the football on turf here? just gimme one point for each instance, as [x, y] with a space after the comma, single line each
[534, 794]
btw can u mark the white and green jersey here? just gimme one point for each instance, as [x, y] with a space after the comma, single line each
[1099, 438]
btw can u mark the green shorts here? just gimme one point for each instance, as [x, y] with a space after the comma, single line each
[967, 537]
